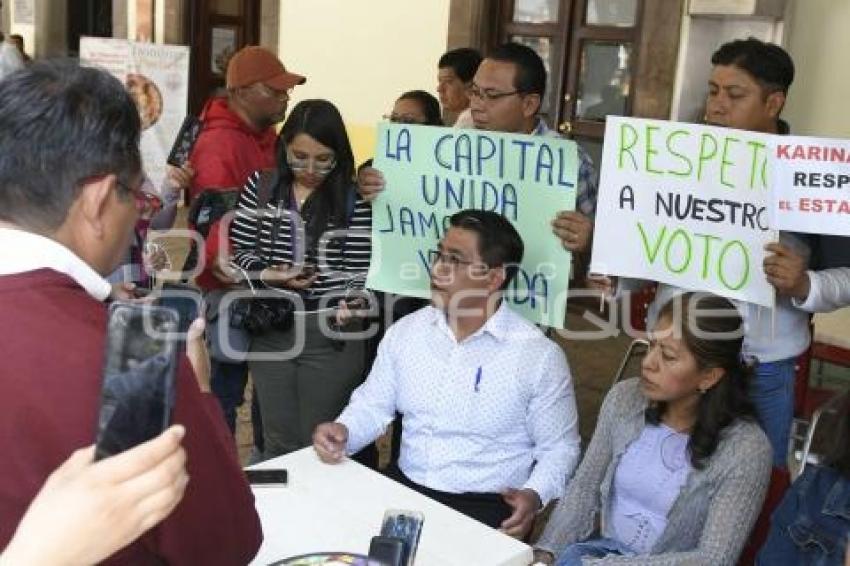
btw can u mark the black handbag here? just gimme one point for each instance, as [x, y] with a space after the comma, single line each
[257, 315]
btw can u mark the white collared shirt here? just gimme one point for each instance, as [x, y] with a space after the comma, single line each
[829, 290]
[496, 410]
[24, 251]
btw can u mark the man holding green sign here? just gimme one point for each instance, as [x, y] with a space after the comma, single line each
[747, 89]
[433, 172]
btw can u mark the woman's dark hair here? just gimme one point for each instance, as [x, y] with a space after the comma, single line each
[320, 120]
[61, 124]
[428, 103]
[713, 332]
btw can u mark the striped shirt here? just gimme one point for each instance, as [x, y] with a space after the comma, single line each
[341, 255]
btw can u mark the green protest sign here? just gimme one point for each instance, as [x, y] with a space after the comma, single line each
[686, 205]
[432, 172]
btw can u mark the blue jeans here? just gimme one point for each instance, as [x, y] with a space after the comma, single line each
[228, 382]
[594, 548]
[772, 393]
[811, 525]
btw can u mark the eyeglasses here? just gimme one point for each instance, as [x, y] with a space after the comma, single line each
[447, 258]
[320, 165]
[281, 95]
[489, 95]
[144, 201]
[403, 119]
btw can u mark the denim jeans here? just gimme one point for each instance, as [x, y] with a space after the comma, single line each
[228, 382]
[594, 548]
[772, 393]
[811, 525]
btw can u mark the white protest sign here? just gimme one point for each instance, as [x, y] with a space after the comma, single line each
[687, 205]
[811, 188]
[157, 77]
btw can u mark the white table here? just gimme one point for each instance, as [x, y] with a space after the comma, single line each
[340, 507]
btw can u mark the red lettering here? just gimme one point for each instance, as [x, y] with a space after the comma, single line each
[814, 153]
[799, 152]
[844, 208]
[804, 205]
[782, 151]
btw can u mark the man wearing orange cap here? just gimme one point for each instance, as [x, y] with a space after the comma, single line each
[238, 138]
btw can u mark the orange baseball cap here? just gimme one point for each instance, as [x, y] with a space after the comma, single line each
[254, 64]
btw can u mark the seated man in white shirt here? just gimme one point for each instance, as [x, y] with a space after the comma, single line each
[489, 416]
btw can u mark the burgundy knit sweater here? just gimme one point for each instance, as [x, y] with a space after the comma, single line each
[52, 336]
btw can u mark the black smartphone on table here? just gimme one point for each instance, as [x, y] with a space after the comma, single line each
[267, 477]
[138, 389]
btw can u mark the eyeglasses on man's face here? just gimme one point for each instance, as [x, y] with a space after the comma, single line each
[489, 94]
[144, 201]
[453, 260]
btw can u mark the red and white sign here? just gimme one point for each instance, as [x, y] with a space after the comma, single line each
[811, 185]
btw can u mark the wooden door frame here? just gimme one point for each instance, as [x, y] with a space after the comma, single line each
[582, 33]
[558, 31]
[653, 66]
[198, 23]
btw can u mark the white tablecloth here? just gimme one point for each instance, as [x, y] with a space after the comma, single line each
[340, 508]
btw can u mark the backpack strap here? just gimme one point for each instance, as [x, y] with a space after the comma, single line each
[266, 187]
[267, 184]
[351, 204]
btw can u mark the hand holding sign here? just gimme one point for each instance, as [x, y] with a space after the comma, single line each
[786, 270]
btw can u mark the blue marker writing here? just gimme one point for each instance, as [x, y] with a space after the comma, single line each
[478, 379]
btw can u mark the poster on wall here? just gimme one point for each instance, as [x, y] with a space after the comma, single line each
[224, 41]
[24, 12]
[157, 77]
[687, 205]
[431, 173]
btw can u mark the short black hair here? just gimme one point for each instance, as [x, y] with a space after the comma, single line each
[499, 244]
[531, 72]
[429, 104]
[61, 124]
[463, 61]
[769, 64]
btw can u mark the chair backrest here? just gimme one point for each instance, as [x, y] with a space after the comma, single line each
[821, 435]
[638, 347]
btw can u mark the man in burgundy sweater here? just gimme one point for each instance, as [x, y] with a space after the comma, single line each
[70, 172]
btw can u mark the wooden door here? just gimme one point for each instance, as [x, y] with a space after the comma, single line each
[215, 30]
[590, 50]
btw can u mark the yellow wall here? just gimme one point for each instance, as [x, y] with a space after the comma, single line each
[362, 55]
[819, 100]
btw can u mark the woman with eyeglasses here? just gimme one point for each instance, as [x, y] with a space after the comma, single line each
[416, 107]
[309, 242]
